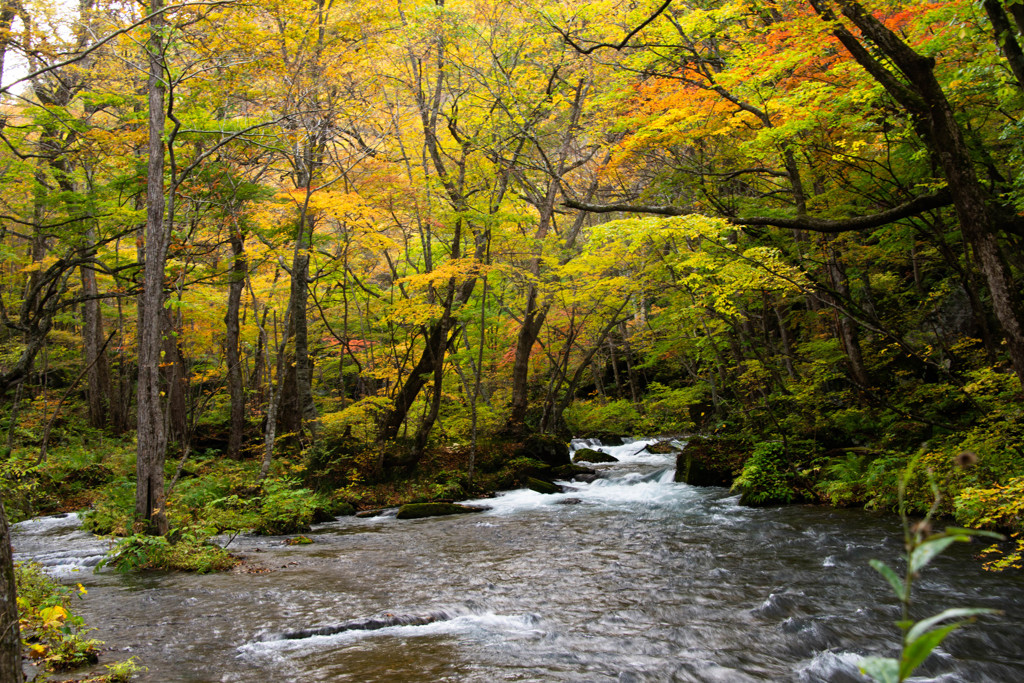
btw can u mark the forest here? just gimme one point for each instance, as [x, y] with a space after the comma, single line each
[267, 261]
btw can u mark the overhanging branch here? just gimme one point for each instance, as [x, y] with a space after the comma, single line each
[914, 207]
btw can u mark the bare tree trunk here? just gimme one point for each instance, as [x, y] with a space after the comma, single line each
[10, 636]
[236, 389]
[845, 325]
[152, 439]
[98, 392]
[175, 379]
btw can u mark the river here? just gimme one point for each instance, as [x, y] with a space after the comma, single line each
[629, 578]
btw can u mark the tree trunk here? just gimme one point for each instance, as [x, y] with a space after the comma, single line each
[98, 393]
[175, 379]
[296, 408]
[236, 390]
[152, 439]
[845, 325]
[10, 636]
[923, 98]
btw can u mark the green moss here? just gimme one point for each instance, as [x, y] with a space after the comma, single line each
[419, 510]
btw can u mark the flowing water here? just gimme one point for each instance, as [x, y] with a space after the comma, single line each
[629, 578]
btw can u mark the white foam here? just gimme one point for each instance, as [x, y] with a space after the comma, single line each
[655, 488]
[49, 524]
[479, 626]
[825, 665]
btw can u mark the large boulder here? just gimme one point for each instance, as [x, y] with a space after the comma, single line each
[419, 510]
[573, 472]
[710, 462]
[591, 455]
[541, 486]
[547, 449]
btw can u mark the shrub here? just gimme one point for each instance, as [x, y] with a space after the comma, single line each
[53, 633]
[114, 511]
[190, 552]
[764, 480]
[287, 510]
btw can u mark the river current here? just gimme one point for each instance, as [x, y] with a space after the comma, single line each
[629, 578]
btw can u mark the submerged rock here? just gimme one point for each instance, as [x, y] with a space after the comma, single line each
[419, 510]
[372, 513]
[372, 624]
[591, 455]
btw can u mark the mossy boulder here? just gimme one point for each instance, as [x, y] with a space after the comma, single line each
[710, 462]
[573, 472]
[662, 448]
[591, 455]
[420, 510]
[548, 449]
[342, 508]
[541, 486]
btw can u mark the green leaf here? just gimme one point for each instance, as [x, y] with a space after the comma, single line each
[952, 530]
[917, 650]
[955, 613]
[926, 552]
[882, 669]
[894, 580]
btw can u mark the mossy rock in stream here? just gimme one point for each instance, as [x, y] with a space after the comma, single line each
[573, 472]
[420, 510]
[591, 455]
[548, 449]
[541, 486]
[662, 447]
[711, 461]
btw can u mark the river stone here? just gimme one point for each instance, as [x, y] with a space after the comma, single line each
[545, 448]
[419, 510]
[591, 455]
[710, 462]
[662, 448]
[343, 508]
[541, 486]
[573, 472]
[372, 513]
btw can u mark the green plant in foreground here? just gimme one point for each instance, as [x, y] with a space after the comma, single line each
[53, 634]
[920, 638]
[123, 671]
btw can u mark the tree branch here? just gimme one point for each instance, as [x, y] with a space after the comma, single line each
[926, 202]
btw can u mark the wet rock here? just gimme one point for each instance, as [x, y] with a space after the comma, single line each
[569, 501]
[541, 486]
[591, 455]
[372, 513]
[573, 472]
[420, 510]
[710, 462]
[662, 447]
[587, 478]
[547, 449]
[372, 624]
[343, 508]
